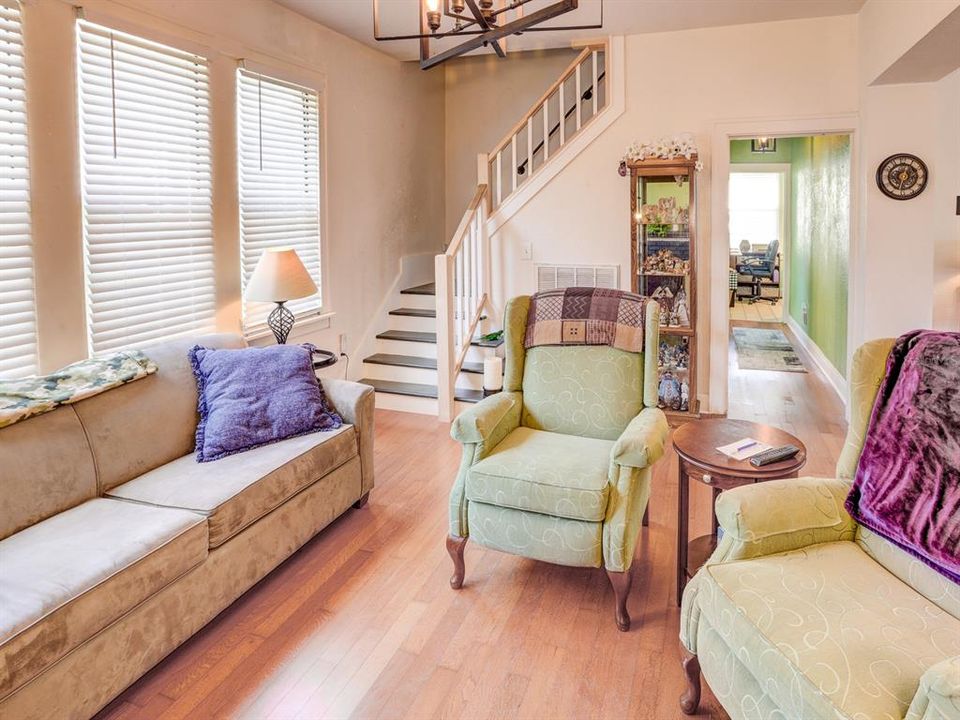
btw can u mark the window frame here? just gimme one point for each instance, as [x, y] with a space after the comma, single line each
[298, 76]
[111, 24]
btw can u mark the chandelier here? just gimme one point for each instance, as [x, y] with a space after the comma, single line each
[479, 22]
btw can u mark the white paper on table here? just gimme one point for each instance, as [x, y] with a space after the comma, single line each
[755, 449]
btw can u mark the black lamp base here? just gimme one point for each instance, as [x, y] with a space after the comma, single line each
[280, 321]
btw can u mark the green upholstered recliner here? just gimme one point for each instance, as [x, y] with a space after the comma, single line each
[801, 613]
[557, 466]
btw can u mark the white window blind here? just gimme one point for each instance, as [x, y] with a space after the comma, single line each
[279, 173]
[147, 215]
[18, 345]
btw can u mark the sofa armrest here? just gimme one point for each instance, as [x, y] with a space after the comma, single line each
[782, 515]
[938, 697]
[355, 402]
[490, 417]
[641, 443]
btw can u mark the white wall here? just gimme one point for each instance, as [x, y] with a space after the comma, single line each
[383, 182]
[946, 251]
[909, 249]
[483, 97]
[683, 81]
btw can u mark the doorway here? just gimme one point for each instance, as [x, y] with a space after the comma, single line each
[788, 204]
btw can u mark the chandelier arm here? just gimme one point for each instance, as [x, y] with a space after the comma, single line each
[482, 22]
[498, 33]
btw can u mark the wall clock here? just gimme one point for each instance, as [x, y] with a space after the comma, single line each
[902, 176]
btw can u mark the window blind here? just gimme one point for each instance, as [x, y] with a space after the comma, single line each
[147, 206]
[18, 345]
[279, 175]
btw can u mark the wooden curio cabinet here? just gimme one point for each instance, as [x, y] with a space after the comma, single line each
[663, 240]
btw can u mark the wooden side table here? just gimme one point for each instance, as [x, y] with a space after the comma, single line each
[696, 443]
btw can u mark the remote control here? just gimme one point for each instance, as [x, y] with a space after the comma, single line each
[774, 455]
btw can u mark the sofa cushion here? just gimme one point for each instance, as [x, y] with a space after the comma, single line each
[137, 427]
[70, 576]
[561, 475]
[45, 467]
[237, 490]
[827, 631]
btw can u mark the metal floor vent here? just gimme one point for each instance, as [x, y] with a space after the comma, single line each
[551, 277]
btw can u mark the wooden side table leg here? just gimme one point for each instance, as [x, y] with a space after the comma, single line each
[714, 523]
[682, 535]
[646, 515]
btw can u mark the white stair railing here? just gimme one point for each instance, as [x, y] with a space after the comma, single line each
[573, 100]
[462, 289]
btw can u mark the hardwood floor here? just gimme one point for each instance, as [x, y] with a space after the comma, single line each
[362, 623]
[758, 311]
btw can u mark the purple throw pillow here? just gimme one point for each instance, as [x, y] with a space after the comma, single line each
[256, 396]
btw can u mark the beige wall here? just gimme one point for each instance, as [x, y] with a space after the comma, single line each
[484, 97]
[384, 168]
[714, 75]
[946, 251]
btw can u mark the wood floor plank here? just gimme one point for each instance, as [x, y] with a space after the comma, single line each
[361, 623]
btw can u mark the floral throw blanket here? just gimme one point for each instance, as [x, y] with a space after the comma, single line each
[20, 399]
[907, 487]
[586, 316]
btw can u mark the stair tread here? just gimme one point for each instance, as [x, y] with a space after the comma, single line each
[419, 390]
[425, 289]
[430, 337]
[413, 361]
[415, 312]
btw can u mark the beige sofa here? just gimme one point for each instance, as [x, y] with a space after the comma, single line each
[116, 545]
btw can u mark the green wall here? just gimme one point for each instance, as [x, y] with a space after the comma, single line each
[820, 241]
[740, 152]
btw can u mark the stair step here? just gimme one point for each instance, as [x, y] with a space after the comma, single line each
[418, 390]
[413, 361]
[429, 337]
[425, 289]
[415, 312]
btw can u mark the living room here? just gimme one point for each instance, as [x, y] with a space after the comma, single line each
[376, 359]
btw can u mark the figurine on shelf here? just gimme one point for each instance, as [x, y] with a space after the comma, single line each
[670, 391]
[667, 207]
[680, 312]
[665, 261]
[663, 296]
[650, 214]
[684, 396]
[683, 216]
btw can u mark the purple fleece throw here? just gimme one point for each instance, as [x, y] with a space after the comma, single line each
[907, 487]
[256, 396]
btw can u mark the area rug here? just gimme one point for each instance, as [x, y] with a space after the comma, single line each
[762, 349]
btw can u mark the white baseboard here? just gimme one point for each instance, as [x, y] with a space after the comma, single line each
[836, 380]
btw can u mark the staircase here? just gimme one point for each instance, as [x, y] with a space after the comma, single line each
[403, 371]
[429, 360]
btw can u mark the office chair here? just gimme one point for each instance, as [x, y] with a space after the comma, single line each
[761, 266]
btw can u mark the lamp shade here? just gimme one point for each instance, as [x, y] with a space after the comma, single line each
[280, 276]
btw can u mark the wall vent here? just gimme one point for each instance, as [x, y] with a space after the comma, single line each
[551, 277]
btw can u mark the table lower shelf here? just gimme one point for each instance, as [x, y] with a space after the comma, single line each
[698, 551]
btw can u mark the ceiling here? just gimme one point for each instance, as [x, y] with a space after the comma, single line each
[354, 18]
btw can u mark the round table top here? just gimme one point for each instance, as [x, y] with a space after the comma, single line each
[697, 442]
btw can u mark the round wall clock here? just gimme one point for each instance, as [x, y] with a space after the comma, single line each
[902, 176]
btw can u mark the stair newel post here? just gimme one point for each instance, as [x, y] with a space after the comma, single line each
[444, 279]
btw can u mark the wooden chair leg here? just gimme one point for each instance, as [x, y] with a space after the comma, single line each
[455, 545]
[621, 590]
[690, 699]
[362, 501]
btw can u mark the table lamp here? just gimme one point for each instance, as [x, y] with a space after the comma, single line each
[280, 276]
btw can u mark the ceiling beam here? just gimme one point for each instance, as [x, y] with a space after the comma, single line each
[498, 33]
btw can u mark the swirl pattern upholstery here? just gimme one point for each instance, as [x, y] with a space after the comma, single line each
[557, 466]
[801, 613]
